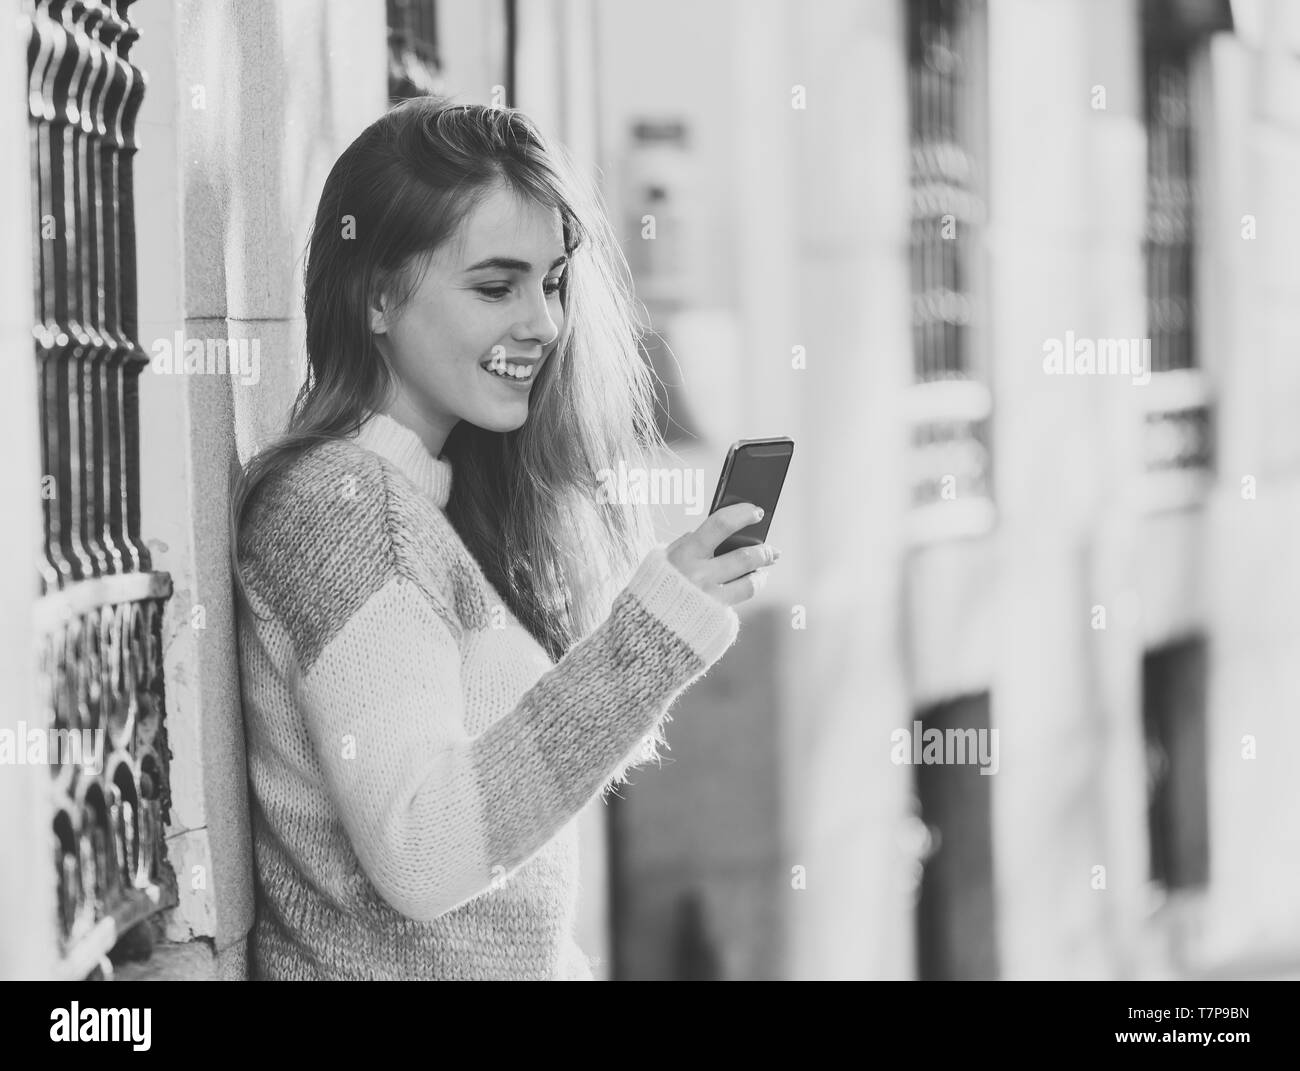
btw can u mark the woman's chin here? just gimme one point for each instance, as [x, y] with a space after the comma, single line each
[502, 418]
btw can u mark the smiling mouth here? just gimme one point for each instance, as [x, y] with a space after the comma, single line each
[511, 371]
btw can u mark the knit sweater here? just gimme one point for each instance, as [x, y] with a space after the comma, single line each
[416, 759]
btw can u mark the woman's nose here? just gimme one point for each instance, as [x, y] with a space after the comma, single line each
[540, 324]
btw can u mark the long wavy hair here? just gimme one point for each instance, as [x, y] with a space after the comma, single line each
[525, 502]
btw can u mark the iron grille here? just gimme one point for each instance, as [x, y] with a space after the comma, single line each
[99, 618]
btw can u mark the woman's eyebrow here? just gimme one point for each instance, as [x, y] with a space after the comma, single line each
[511, 264]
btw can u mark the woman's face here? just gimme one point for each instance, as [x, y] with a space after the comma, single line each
[487, 306]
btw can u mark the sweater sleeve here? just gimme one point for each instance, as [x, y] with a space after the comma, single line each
[437, 816]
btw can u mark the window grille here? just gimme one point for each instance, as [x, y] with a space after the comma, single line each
[1170, 262]
[951, 403]
[1177, 444]
[99, 617]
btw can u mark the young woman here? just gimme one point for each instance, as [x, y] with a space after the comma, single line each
[439, 669]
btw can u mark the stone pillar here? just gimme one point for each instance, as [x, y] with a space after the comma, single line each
[249, 107]
[1253, 513]
[843, 689]
[1065, 222]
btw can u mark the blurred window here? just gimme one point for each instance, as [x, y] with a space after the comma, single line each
[1177, 434]
[956, 923]
[414, 65]
[945, 204]
[1173, 714]
[950, 468]
[1171, 205]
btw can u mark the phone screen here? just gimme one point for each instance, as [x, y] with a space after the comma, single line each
[754, 472]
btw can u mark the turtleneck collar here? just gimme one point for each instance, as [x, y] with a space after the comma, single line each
[399, 444]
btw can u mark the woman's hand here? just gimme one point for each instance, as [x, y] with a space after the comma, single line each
[732, 577]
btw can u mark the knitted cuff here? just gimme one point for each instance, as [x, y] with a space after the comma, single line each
[705, 624]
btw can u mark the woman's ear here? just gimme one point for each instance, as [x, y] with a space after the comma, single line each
[379, 314]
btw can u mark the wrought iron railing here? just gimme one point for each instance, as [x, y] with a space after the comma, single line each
[99, 619]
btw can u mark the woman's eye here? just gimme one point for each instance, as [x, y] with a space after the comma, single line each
[498, 292]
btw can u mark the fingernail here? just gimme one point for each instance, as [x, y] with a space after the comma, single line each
[758, 514]
[775, 554]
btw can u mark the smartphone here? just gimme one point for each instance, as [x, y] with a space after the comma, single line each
[753, 472]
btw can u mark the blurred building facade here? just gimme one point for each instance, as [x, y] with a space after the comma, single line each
[874, 223]
[927, 203]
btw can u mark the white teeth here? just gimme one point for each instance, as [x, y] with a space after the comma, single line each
[514, 371]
